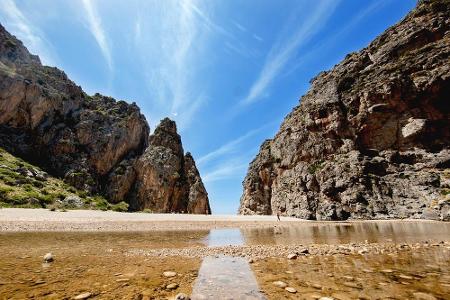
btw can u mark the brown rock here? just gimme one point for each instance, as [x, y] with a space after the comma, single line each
[166, 179]
[370, 139]
[95, 143]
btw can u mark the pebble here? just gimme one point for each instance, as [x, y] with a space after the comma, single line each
[48, 257]
[350, 278]
[316, 286]
[292, 256]
[122, 280]
[169, 274]
[352, 285]
[182, 296]
[304, 251]
[172, 286]
[326, 298]
[83, 296]
[405, 276]
[423, 296]
[290, 290]
[39, 281]
[280, 284]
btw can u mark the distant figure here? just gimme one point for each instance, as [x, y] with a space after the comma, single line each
[278, 216]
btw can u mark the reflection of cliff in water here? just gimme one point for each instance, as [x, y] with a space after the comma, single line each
[343, 233]
[74, 241]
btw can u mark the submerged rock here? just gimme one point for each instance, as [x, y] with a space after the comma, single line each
[48, 257]
[172, 286]
[290, 290]
[169, 274]
[182, 296]
[280, 284]
[370, 139]
[83, 296]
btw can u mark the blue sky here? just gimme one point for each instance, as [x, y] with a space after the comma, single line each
[228, 71]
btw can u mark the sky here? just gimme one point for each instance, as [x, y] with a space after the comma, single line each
[227, 71]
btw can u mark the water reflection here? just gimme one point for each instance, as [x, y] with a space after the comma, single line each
[343, 233]
[226, 277]
[224, 237]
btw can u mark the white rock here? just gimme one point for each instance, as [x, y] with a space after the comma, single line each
[172, 286]
[291, 290]
[48, 257]
[169, 274]
[83, 296]
[292, 256]
[182, 296]
[280, 284]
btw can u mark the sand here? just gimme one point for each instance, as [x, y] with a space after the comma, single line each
[22, 219]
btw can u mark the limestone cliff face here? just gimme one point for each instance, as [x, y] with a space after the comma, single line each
[370, 139]
[95, 143]
[168, 180]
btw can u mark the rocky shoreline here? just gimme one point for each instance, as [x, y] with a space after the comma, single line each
[257, 252]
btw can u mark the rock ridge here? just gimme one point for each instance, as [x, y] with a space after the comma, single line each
[95, 143]
[370, 139]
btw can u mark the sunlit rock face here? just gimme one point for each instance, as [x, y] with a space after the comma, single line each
[168, 180]
[370, 139]
[95, 143]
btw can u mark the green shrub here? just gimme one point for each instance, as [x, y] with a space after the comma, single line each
[5, 205]
[121, 207]
[5, 190]
[314, 167]
[82, 194]
[100, 203]
[445, 192]
[46, 199]
[28, 187]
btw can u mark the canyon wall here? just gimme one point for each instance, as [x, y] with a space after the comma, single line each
[370, 139]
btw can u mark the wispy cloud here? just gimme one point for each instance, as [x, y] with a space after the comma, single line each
[337, 35]
[231, 159]
[239, 26]
[21, 26]
[232, 146]
[225, 170]
[172, 39]
[96, 29]
[286, 48]
[227, 148]
[258, 38]
[206, 20]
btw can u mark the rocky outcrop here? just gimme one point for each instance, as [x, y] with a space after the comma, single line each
[167, 180]
[95, 143]
[370, 139]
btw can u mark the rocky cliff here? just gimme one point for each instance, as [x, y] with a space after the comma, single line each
[370, 139]
[94, 143]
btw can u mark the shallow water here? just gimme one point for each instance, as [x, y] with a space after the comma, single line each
[100, 263]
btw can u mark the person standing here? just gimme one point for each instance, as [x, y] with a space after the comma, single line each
[278, 216]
